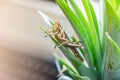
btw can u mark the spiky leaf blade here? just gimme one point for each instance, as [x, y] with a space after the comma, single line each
[112, 70]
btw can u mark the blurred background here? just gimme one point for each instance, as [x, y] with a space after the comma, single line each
[25, 54]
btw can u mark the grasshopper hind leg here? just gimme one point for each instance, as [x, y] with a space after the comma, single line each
[61, 44]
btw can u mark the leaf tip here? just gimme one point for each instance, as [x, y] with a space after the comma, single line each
[107, 34]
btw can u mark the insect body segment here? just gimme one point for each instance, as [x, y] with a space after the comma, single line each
[62, 37]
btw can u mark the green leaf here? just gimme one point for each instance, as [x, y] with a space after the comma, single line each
[113, 22]
[114, 3]
[60, 62]
[118, 11]
[47, 19]
[102, 34]
[78, 65]
[112, 70]
[92, 20]
[117, 4]
[76, 77]
[102, 25]
[81, 17]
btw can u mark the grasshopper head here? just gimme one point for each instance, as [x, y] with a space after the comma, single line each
[56, 27]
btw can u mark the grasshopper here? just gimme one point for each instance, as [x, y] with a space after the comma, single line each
[62, 37]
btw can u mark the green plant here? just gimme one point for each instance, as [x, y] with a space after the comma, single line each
[101, 41]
